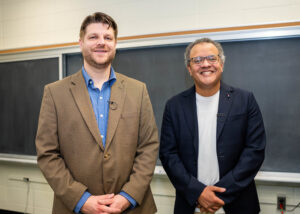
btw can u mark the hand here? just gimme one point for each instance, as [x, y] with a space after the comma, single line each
[99, 204]
[120, 202]
[203, 210]
[208, 201]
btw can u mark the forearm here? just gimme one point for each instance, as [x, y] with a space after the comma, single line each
[183, 180]
[60, 179]
[251, 157]
[142, 171]
[49, 158]
[185, 183]
[146, 152]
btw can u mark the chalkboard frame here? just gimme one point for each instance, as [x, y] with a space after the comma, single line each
[256, 34]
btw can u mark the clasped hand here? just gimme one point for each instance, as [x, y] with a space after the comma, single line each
[105, 204]
[208, 201]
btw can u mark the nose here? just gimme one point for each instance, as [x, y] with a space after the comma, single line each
[100, 41]
[205, 63]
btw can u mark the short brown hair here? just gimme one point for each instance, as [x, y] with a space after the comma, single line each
[98, 17]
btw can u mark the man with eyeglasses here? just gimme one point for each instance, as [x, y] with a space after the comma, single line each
[212, 139]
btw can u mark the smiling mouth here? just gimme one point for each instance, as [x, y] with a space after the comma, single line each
[206, 72]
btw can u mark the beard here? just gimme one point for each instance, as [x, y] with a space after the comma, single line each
[89, 59]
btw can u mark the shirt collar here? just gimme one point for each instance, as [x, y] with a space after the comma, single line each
[89, 81]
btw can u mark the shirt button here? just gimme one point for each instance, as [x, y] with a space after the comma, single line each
[102, 136]
[90, 82]
[101, 98]
[101, 115]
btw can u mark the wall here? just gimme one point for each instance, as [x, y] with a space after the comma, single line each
[43, 22]
[40, 22]
[1, 25]
[36, 196]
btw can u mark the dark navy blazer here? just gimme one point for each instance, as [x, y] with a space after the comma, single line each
[241, 143]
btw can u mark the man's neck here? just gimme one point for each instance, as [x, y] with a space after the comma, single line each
[98, 75]
[207, 92]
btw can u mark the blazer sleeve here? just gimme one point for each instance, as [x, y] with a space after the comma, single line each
[146, 152]
[251, 157]
[49, 159]
[184, 182]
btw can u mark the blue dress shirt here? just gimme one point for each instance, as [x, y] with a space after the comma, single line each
[100, 102]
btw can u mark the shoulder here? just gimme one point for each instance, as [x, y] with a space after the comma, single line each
[235, 91]
[64, 84]
[241, 97]
[67, 80]
[182, 100]
[128, 82]
[182, 96]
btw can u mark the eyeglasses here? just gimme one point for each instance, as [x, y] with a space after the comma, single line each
[198, 60]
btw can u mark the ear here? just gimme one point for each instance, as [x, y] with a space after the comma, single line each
[189, 69]
[80, 43]
[222, 67]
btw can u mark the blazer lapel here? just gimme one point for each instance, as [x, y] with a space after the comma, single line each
[225, 101]
[81, 96]
[117, 98]
[190, 113]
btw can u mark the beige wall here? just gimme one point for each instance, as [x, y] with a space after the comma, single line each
[36, 196]
[26, 23]
[1, 25]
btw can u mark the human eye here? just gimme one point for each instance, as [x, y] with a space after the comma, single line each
[197, 60]
[212, 58]
[92, 37]
[108, 38]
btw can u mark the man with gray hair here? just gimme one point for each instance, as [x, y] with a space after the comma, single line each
[212, 139]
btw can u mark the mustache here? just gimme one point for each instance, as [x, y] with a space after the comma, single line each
[100, 49]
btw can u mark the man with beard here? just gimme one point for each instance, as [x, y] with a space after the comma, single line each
[97, 140]
[212, 139]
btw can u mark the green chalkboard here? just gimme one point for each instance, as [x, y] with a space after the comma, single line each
[270, 68]
[21, 91]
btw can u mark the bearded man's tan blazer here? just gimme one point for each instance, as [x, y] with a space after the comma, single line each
[70, 151]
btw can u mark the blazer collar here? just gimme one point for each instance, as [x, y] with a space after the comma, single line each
[81, 96]
[117, 98]
[82, 99]
[190, 110]
[190, 113]
[190, 92]
[225, 101]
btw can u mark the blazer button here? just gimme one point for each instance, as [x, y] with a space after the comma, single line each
[106, 155]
